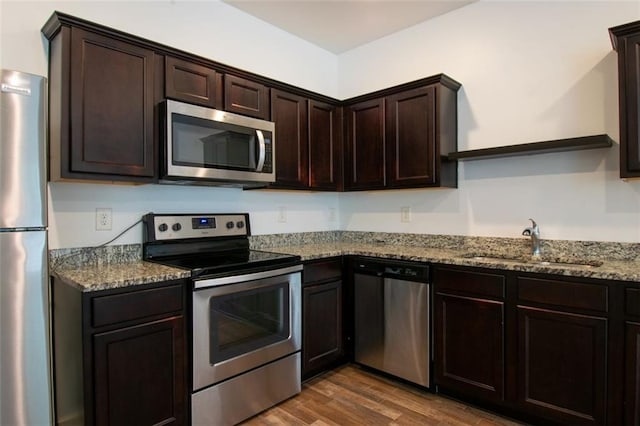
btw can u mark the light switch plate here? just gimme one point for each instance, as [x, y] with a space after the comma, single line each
[405, 214]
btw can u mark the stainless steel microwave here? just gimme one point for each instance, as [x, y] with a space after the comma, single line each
[209, 146]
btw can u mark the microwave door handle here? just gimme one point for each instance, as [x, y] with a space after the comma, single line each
[262, 151]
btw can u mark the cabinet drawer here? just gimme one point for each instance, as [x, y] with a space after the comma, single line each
[562, 293]
[115, 308]
[323, 270]
[632, 301]
[194, 83]
[469, 282]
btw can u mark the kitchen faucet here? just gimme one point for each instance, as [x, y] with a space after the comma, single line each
[534, 232]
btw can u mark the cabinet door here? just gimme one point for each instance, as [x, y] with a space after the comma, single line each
[469, 346]
[410, 138]
[629, 70]
[193, 83]
[289, 112]
[139, 374]
[324, 146]
[246, 97]
[364, 162]
[111, 104]
[632, 375]
[321, 326]
[562, 365]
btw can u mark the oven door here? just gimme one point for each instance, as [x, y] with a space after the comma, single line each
[245, 321]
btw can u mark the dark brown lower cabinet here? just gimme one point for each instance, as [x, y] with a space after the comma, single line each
[138, 373]
[119, 356]
[544, 348]
[562, 365]
[322, 331]
[469, 333]
[632, 374]
[470, 346]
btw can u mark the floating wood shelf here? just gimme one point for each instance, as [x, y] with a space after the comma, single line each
[559, 145]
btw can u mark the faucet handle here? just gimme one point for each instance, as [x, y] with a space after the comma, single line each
[533, 223]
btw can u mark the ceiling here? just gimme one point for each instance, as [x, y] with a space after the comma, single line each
[341, 25]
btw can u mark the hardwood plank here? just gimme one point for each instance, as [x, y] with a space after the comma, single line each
[350, 395]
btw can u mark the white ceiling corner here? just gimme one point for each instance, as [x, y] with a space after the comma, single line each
[341, 25]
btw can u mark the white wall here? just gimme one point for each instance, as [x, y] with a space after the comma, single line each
[531, 71]
[211, 29]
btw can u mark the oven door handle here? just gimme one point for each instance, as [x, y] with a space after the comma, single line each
[262, 151]
[236, 279]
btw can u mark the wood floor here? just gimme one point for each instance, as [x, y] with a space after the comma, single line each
[352, 396]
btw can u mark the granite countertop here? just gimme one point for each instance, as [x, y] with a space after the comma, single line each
[116, 275]
[620, 270]
[92, 269]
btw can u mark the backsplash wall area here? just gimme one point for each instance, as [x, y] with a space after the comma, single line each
[530, 71]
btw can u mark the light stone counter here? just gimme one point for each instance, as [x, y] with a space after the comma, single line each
[617, 270]
[109, 267]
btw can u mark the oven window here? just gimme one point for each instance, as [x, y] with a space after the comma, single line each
[207, 143]
[248, 320]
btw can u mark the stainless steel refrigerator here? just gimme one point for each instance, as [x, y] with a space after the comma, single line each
[25, 383]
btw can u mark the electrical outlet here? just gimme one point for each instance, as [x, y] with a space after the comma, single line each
[405, 214]
[282, 214]
[331, 214]
[103, 219]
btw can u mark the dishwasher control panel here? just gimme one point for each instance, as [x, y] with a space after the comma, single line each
[413, 271]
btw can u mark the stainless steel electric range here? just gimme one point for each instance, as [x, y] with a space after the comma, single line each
[246, 313]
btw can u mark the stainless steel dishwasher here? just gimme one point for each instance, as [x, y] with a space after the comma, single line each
[392, 317]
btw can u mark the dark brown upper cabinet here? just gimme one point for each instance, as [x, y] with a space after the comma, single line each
[401, 138]
[246, 97]
[105, 88]
[364, 151]
[325, 146]
[307, 142]
[626, 41]
[101, 113]
[289, 112]
[190, 82]
[410, 138]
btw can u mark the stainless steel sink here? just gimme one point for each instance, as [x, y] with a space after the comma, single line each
[494, 258]
[568, 263]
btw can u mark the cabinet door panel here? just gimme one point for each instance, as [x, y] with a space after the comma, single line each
[632, 375]
[324, 146]
[193, 83]
[630, 108]
[111, 107]
[562, 365]
[469, 346]
[365, 156]
[289, 112]
[246, 97]
[410, 138]
[139, 374]
[322, 326]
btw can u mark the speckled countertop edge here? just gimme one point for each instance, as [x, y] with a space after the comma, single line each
[92, 269]
[616, 270]
[118, 275]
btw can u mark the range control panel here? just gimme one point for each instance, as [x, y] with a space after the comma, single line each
[162, 227]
